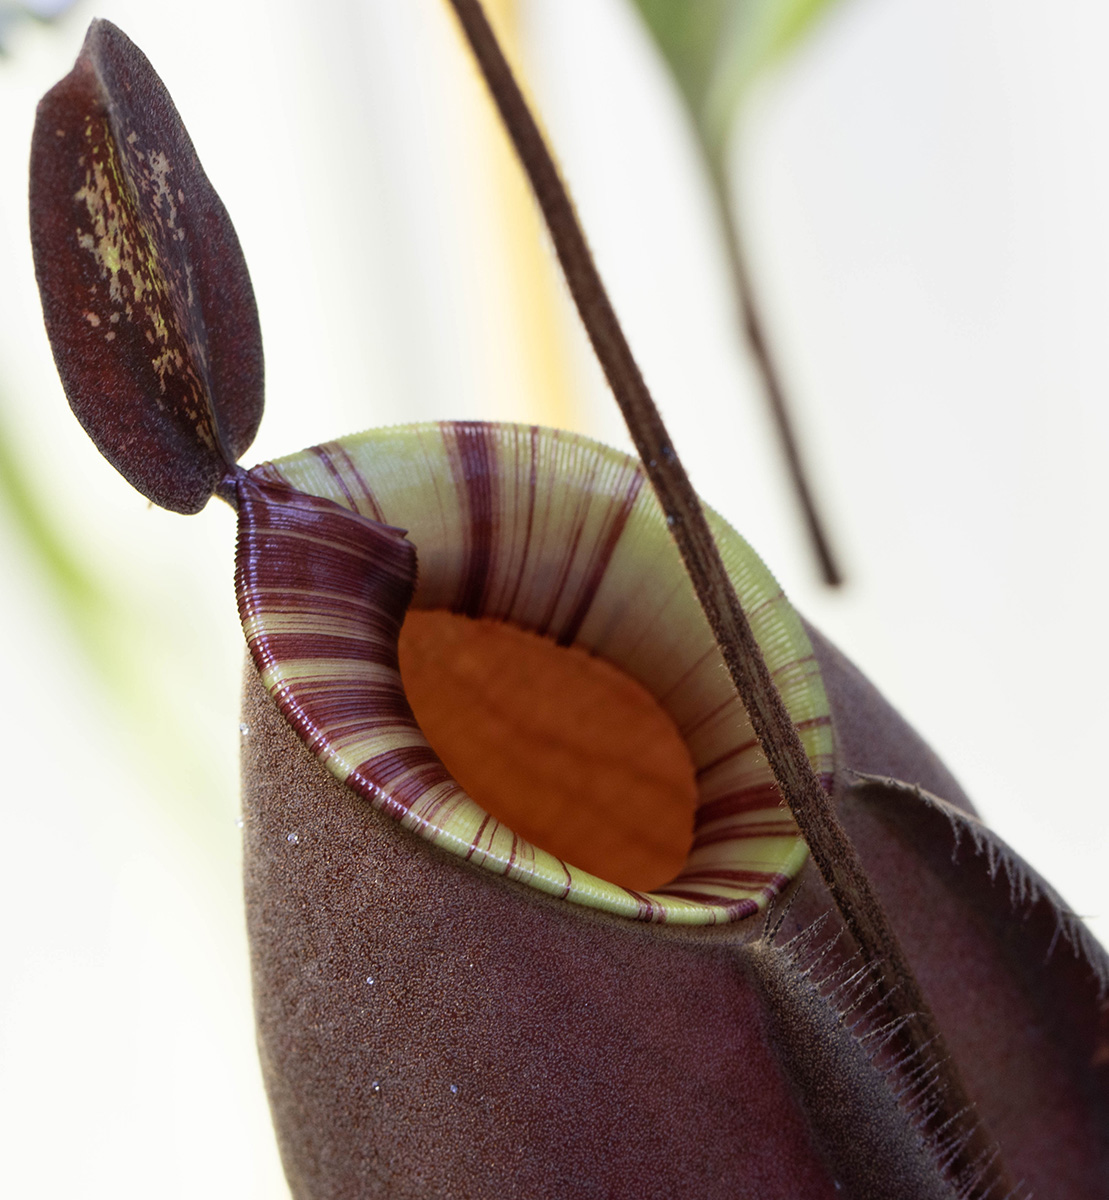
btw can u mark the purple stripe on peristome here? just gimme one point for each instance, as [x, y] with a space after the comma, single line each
[599, 560]
[384, 769]
[687, 730]
[741, 833]
[795, 662]
[293, 545]
[405, 774]
[683, 678]
[762, 795]
[296, 647]
[478, 836]
[733, 878]
[727, 756]
[321, 453]
[471, 452]
[349, 712]
[305, 728]
[568, 554]
[753, 614]
[734, 909]
[646, 908]
[525, 550]
[370, 506]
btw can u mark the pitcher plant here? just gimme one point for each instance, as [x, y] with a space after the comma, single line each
[576, 862]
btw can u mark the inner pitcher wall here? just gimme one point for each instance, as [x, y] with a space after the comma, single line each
[562, 747]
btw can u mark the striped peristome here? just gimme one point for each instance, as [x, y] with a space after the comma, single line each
[558, 535]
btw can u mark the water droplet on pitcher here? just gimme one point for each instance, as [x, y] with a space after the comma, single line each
[370, 980]
[375, 1087]
[292, 838]
[454, 1089]
[244, 728]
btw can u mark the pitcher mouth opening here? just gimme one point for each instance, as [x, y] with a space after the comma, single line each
[541, 533]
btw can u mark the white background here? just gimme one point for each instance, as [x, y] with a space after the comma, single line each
[925, 194]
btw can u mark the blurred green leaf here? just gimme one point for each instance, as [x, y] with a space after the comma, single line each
[57, 560]
[138, 670]
[716, 47]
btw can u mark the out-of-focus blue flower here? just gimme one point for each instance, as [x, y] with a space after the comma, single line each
[13, 12]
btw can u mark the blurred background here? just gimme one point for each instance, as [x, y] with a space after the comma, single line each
[922, 189]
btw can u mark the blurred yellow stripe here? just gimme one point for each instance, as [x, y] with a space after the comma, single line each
[539, 310]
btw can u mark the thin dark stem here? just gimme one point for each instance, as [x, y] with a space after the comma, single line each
[832, 851]
[755, 331]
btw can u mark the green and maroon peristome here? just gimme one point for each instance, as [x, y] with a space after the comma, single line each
[558, 535]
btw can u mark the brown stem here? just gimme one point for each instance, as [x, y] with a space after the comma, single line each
[832, 851]
[755, 332]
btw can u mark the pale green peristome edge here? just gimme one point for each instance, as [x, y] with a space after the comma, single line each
[409, 471]
[715, 48]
